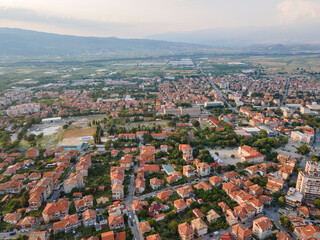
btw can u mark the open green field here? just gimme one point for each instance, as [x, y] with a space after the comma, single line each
[273, 63]
[35, 72]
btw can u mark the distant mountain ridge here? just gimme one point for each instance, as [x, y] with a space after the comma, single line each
[21, 42]
[244, 37]
[26, 43]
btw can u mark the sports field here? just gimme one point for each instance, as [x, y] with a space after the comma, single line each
[79, 132]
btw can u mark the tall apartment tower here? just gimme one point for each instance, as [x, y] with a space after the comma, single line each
[308, 182]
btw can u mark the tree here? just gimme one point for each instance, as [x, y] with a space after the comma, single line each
[304, 150]
[108, 144]
[173, 225]
[40, 135]
[152, 222]
[24, 199]
[170, 215]
[195, 123]
[281, 202]
[315, 158]
[316, 202]
[285, 221]
[230, 167]
[292, 184]
[205, 156]
[219, 169]
[239, 165]
[172, 124]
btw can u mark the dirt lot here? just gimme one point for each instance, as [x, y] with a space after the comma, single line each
[79, 132]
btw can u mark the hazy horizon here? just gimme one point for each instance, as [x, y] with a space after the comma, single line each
[145, 18]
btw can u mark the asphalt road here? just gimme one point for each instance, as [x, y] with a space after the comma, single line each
[273, 214]
[285, 92]
[217, 90]
[134, 225]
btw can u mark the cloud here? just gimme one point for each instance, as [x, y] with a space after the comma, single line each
[299, 10]
[85, 25]
[29, 17]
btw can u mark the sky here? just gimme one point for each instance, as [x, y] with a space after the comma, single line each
[142, 18]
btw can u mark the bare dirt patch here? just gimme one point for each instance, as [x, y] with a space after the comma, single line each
[79, 132]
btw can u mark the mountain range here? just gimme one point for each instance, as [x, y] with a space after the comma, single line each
[21, 42]
[242, 37]
[26, 43]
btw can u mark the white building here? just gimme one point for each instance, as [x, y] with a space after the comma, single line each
[213, 104]
[51, 120]
[300, 137]
[23, 109]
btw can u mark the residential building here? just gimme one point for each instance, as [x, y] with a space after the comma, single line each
[262, 227]
[301, 137]
[241, 232]
[308, 232]
[308, 182]
[55, 210]
[185, 231]
[117, 191]
[145, 227]
[294, 197]
[42, 235]
[115, 222]
[189, 171]
[203, 169]
[250, 154]
[67, 224]
[89, 218]
[216, 181]
[32, 153]
[118, 208]
[212, 216]
[75, 180]
[26, 223]
[12, 218]
[23, 109]
[185, 191]
[180, 205]
[113, 235]
[154, 237]
[199, 227]
[84, 203]
[155, 183]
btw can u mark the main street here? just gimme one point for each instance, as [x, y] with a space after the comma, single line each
[285, 92]
[133, 221]
[215, 88]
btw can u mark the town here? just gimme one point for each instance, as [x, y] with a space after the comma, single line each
[184, 155]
